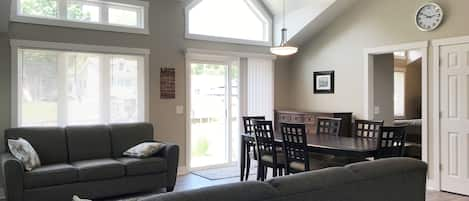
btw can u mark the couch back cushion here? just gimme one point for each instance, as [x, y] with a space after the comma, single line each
[242, 191]
[125, 136]
[50, 143]
[88, 142]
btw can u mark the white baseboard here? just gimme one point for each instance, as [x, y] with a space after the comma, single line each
[182, 170]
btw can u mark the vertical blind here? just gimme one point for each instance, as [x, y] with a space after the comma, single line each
[260, 87]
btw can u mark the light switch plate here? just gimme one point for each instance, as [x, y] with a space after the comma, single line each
[377, 110]
[180, 109]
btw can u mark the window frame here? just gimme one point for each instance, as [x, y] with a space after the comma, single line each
[104, 25]
[26, 44]
[403, 72]
[251, 3]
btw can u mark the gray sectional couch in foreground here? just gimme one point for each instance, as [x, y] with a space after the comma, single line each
[395, 179]
[87, 161]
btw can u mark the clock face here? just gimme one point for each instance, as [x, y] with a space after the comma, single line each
[429, 17]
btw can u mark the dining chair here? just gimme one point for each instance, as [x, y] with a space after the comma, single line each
[248, 124]
[367, 128]
[328, 126]
[268, 154]
[391, 142]
[295, 149]
[362, 129]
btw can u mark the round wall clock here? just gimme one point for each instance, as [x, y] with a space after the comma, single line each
[429, 16]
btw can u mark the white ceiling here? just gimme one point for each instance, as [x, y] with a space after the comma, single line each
[275, 6]
[304, 18]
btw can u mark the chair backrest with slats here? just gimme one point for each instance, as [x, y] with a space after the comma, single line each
[391, 142]
[265, 139]
[367, 128]
[248, 123]
[328, 126]
[295, 144]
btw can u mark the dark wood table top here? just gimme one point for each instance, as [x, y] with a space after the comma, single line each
[338, 145]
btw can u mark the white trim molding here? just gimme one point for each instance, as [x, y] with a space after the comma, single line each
[427, 147]
[103, 25]
[205, 52]
[16, 45]
[435, 183]
[182, 170]
[254, 5]
[77, 47]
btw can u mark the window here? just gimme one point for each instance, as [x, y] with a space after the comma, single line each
[236, 21]
[399, 94]
[116, 15]
[56, 88]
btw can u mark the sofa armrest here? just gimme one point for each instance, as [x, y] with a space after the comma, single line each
[171, 154]
[13, 173]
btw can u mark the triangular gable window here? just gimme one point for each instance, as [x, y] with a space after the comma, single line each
[238, 21]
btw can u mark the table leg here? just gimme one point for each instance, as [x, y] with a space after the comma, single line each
[243, 158]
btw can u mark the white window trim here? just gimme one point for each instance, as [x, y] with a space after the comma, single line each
[15, 72]
[263, 12]
[16, 17]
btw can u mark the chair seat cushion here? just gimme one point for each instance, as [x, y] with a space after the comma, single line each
[98, 169]
[314, 164]
[270, 159]
[137, 166]
[50, 175]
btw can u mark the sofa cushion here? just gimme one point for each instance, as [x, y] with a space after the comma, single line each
[125, 136]
[241, 191]
[99, 169]
[49, 143]
[50, 175]
[137, 166]
[88, 142]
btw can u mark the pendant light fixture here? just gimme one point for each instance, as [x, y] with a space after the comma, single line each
[283, 49]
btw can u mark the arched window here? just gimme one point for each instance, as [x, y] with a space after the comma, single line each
[236, 21]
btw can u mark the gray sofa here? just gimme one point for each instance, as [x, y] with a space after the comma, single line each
[395, 179]
[87, 161]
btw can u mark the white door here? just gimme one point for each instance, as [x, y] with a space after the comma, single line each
[454, 99]
[214, 112]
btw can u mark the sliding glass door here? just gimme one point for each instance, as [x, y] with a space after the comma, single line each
[214, 113]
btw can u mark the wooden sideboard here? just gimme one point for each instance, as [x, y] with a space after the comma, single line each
[309, 119]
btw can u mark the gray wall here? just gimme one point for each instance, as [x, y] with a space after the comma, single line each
[384, 87]
[340, 47]
[413, 90]
[4, 85]
[167, 45]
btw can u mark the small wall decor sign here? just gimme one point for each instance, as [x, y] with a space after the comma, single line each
[168, 83]
[324, 82]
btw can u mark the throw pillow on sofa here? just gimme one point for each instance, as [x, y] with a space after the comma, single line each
[24, 151]
[144, 150]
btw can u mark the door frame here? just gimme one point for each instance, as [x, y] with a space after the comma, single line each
[436, 45]
[369, 89]
[209, 59]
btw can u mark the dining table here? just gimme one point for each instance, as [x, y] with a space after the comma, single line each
[357, 147]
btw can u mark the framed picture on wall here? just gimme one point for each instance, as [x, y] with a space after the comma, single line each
[324, 82]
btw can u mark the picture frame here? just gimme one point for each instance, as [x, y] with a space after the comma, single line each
[324, 82]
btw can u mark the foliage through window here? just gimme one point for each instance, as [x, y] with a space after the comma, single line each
[110, 16]
[75, 88]
[230, 21]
